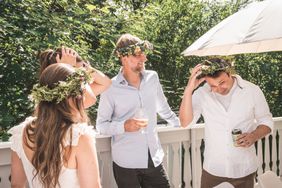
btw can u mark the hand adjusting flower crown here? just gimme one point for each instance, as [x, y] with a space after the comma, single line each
[134, 49]
[209, 68]
[73, 86]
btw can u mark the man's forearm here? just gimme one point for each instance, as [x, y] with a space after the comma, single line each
[110, 128]
[261, 131]
[186, 110]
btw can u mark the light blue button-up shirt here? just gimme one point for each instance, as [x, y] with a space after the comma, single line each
[118, 104]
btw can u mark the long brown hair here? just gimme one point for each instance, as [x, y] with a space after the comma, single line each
[48, 130]
[48, 57]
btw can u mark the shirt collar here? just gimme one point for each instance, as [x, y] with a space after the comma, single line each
[121, 80]
[240, 82]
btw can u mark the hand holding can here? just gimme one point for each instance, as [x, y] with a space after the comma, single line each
[235, 134]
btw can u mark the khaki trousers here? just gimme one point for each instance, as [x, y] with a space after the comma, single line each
[209, 181]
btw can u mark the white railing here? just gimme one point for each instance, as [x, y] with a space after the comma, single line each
[5, 161]
[182, 160]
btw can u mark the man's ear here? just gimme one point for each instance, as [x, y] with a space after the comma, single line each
[123, 59]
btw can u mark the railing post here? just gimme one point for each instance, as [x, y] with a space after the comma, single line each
[105, 161]
[197, 134]
[260, 157]
[280, 152]
[267, 153]
[187, 174]
[5, 162]
[274, 151]
[172, 139]
[176, 170]
[278, 127]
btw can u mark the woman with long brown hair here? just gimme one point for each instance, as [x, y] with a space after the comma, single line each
[56, 147]
[70, 56]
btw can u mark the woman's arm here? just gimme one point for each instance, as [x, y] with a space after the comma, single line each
[100, 84]
[87, 163]
[18, 177]
[101, 81]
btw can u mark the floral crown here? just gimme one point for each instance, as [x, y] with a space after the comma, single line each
[72, 86]
[209, 67]
[134, 49]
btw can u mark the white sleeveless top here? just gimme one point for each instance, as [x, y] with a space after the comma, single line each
[68, 177]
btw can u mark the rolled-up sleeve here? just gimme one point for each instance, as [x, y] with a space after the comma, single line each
[262, 112]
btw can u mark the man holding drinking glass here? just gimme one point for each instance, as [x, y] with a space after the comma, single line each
[128, 111]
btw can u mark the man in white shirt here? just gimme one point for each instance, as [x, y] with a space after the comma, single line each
[226, 102]
[128, 112]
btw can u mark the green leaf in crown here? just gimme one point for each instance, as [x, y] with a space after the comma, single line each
[73, 86]
[134, 49]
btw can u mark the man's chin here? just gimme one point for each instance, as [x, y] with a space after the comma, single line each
[140, 69]
[224, 92]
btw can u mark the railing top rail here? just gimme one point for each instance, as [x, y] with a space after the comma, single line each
[4, 145]
[170, 129]
[165, 129]
[275, 119]
[277, 124]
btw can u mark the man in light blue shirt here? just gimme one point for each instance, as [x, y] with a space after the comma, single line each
[128, 111]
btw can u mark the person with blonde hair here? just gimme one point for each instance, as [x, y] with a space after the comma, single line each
[128, 112]
[56, 147]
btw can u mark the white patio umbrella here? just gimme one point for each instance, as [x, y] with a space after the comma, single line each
[256, 28]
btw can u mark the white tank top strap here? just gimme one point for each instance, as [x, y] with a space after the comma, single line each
[78, 130]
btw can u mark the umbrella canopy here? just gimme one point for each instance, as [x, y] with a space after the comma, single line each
[256, 28]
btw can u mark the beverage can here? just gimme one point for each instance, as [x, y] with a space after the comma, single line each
[235, 134]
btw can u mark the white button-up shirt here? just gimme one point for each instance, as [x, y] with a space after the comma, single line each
[247, 110]
[118, 104]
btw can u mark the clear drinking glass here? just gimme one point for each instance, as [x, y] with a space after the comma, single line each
[140, 114]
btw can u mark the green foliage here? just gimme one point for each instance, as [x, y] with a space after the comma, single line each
[172, 26]
[29, 26]
[92, 28]
[264, 70]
